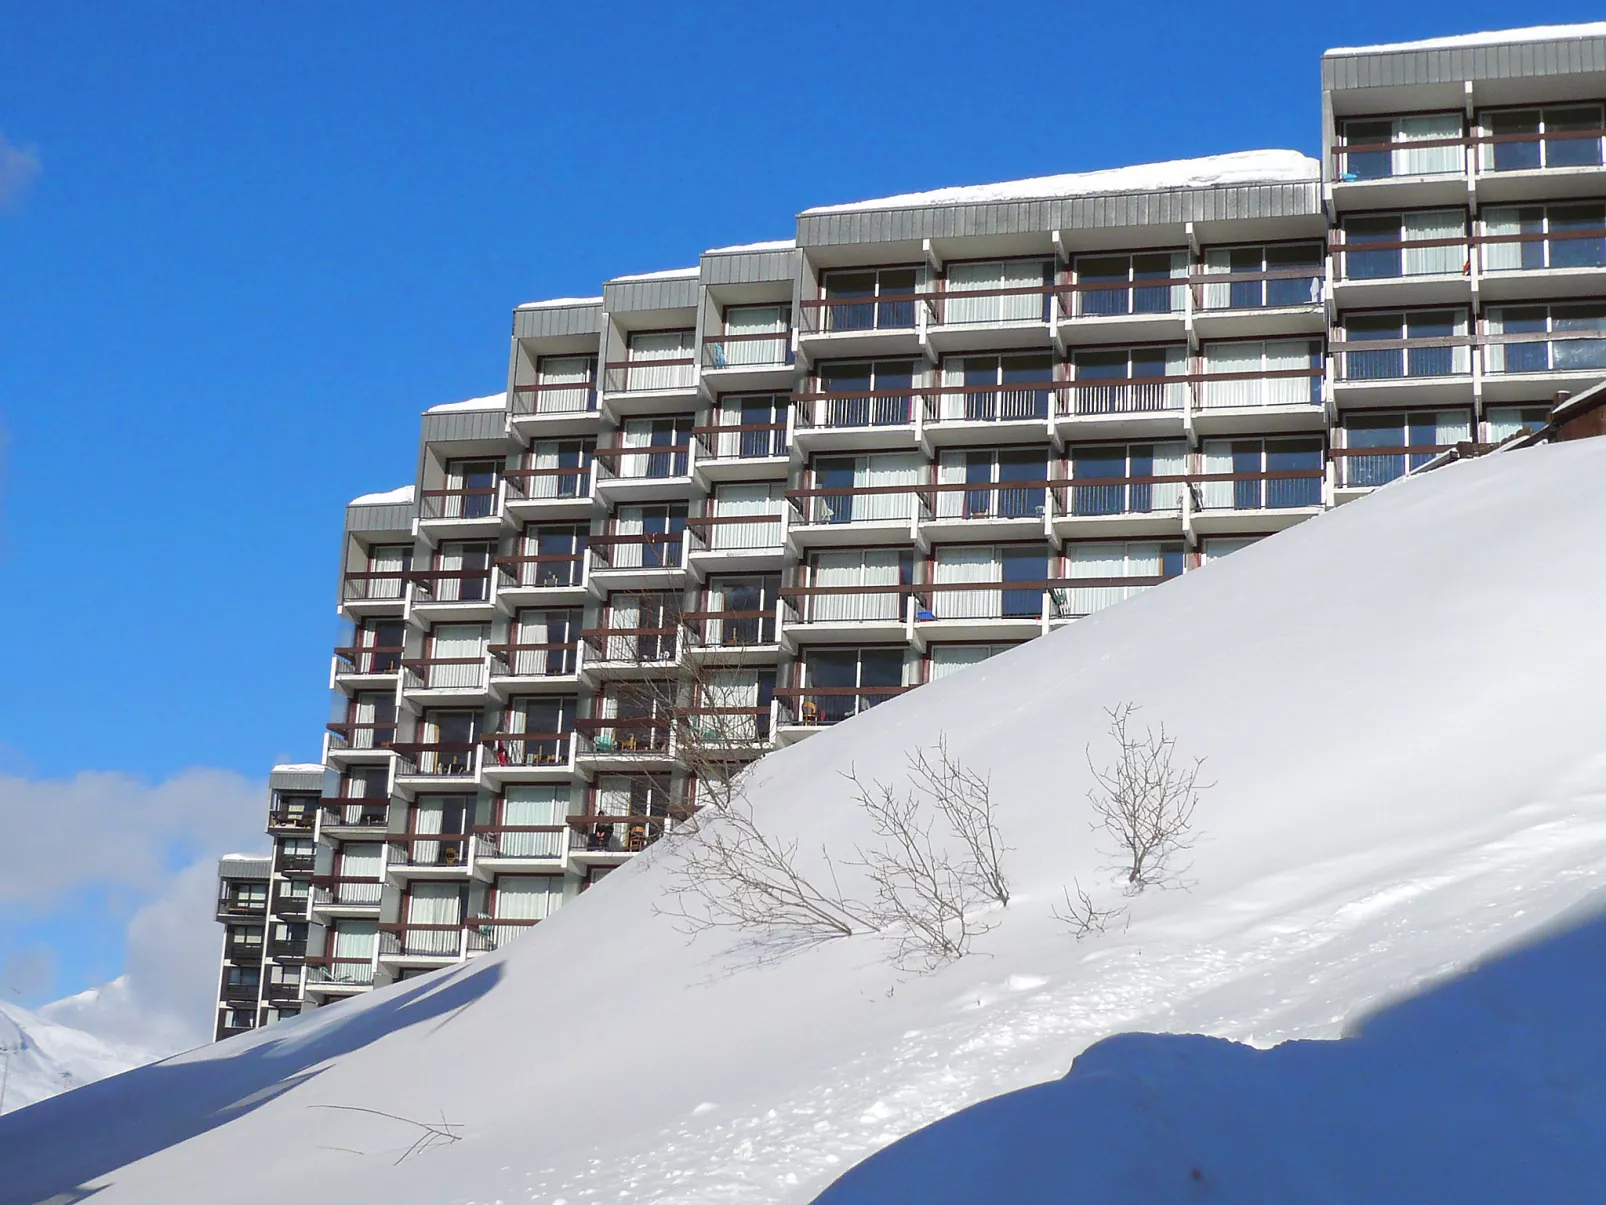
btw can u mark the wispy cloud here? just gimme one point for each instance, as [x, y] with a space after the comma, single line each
[19, 167]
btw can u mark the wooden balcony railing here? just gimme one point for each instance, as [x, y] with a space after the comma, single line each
[451, 585]
[374, 586]
[650, 550]
[295, 819]
[888, 311]
[734, 533]
[473, 502]
[359, 735]
[623, 734]
[429, 849]
[1363, 468]
[1401, 359]
[522, 840]
[640, 376]
[861, 408]
[1143, 295]
[533, 660]
[730, 629]
[650, 463]
[763, 349]
[445, 759]
[1025, 401]
[407, 940]
[632, 646]
[821, 505]
[615, 834]
[740, 441]
[370, 659]
[554, 398]
[486, 933]
[444, 673]
[548, 485]
[876, 603]
[714, 728]
[546, 571]
[810, 705]
[992, 306]
[526, 748]
[346, 891]
[352, 811]
[1517, 157]
[325, 970]
[1274, 288]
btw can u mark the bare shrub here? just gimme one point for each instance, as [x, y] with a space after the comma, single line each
[1144, 801]
[1082, 916]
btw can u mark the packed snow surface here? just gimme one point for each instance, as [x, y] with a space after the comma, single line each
[1494, 37]
[302, 767]
[402, 493]
[1401, 706]
[553, 302]
[491, 401]
[1240, 167]
[666, 274]
[780, 244]
[40, 1058]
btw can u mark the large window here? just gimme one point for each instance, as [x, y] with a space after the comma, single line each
[554, 468]
[529, 813]
[760, 422]
[1128, 380]
[456, 656]
[1425, 243]
[543, 643]
[1506, 421]
[660, 360]
[948, 659]
[744, 610]
[1262, 474]
[642, 627]
[840, 683]
[871, 299]
[858, 585]
[865, 394]
[652, 536]
[1001, 483]
[1552, 137]
[1015, 290]
[1282, 274]
[1117, 480]
[995, 388]
[663, 444]
[1530, 237]
[863, 489]
[989, 582]
[1149, 283]
[754, 334]
[1428, 144]
[564, 385]
[1440, 348]
[434, 919]
[1113, 570]
[470, 491]
[745, 515]
[1541, 338]
[1378, 448]
[462, 572]
[1253, 373]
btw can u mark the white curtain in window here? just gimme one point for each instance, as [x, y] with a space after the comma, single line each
[964, 565]
[1099, 560]
[739, 501]
[755, 321]
[532, 806]
[544, 455]
[1451, 427]
[428, 817]
[972, 278]
[613, 797]
[877, 568]
[356, 940]
[1428, 160]
[952, 405]
[571, 376]
[453, 560]
[1287, 355]
[648, 353]
[388, 559]
[1170, 460]
[730, 688]
[1221, 358]
[951, 658]
[360, 860]
[533, 628]
[434, 904]
[1218, 262]
[1217, 495]
[953, 468]
[637, 433]
[1220, 546]
[1022, 307]
[881, 471]
[527, 897]
[457, 642]
[628, 521]
[1502, 257]
[1436, 224]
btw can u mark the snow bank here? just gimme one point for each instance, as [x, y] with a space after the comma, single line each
[491, 401]
[780, 244]
[1532, 33]
[666, 274]
[402, 493]
[559, 301]
[44, 1058]
[303, 767]
[1400, 702]
[1240, 167]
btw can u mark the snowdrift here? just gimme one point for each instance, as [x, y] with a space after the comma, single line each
[1401, 705]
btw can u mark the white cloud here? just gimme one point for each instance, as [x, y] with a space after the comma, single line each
[100, 830]
[19, 165]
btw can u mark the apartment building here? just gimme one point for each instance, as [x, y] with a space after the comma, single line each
[747, 500]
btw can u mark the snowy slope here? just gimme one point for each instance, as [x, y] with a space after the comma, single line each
[1401, 702]
[43, 1058]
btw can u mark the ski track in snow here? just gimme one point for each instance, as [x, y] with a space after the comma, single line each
[1025, 1029]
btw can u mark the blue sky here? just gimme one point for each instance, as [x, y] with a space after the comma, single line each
[262, 237]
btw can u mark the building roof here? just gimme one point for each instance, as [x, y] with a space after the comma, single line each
[491, 401]
[1497, 37]
[402, 493]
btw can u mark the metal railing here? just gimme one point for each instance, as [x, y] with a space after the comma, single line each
[888, 311]
[444, 673]
[405, 940]
[730, 629]
[740, 441]
[346, 891]
[551, 660]
[822, 505]
[366, 812]
[436, 759]
[761, 350]
[734, 533]
[548, 485]
[546, 571]
[554, 397]
[522, 840]
[369, 659]
[1023, 402]
[641, 376]
[328, 971]
[507, 749]
[1362, 468]
[811, 705]
[473, 502]
[632, 646]
[361, 735]
[616, 735]
[374, 586]
[650, 550]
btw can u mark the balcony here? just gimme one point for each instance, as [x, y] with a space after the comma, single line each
[966, 510]
[331, 892]
[297, 864]
[1409, 372]
[1360, 469]
[971, 413]
[362, 737]
[560, 571]
[1266, 399]
[290, 907]
[868, 324]
[458, 674]
[1539, 154]
[1277, 301]
[654, 471]
[1121, 406]
[364, 587]
[290, 820]
[757, 360]
[1003, 610]
[622, 739]
[485, 934]
[968, 319]
[368, 661]
[429, 851]
[608, 840]
[555, 661]
[1410, 271]
[436, 759]
[343, 815]
[670, 376]
[288, 950]
[240, 991]
[1113, 311]
[439, 941]
[281, 991]
[508, 753]
[1520, 364]
[1254, 501]
[641, 560]
[876, 611]
[735, 632]
[233, 909]
[1540, 264]
[857, 514]
[816, 706]
[1077, 597]
[1133, 506]
[641, 647]
[475, 506]
[558, 407]
[248, 952]
[549, 492]
[467, 590]
[741, 451]
[717, 732]
[522, 842]
[876, 418]
[1390, 164]
[327, 973]
[724, 543]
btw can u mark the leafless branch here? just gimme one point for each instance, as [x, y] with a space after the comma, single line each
[1082, 916]
[1144, 802]
[444, 1134]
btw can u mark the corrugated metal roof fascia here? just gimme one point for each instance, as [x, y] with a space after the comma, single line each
[295, 780]
[244, 868]
[1511, 60]
[1096, 212]
[549, 321]
[464, 425]
[670, 293]
[750, 267]
[387, 516]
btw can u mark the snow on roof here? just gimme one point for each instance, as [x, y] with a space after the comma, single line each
[491, 401]
[302, 767]
[403, 493]
[1494, 37]
[245, 857]
[666, 274]
[1240, 167]
[780, 244]
[555, 302]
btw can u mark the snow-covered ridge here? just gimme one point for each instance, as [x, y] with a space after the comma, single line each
[491, 401]
[44, 1058]
[1494, 37]
[1240, 167]
[559, 302]
[402, 493]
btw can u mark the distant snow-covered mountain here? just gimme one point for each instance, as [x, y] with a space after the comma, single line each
[41, 1058]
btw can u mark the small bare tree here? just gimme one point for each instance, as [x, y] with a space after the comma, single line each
[1144, 801]
[1082, 916]
[965, 800]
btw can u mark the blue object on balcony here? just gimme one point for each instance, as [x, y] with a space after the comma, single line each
[1349, 177]
[924, 616]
